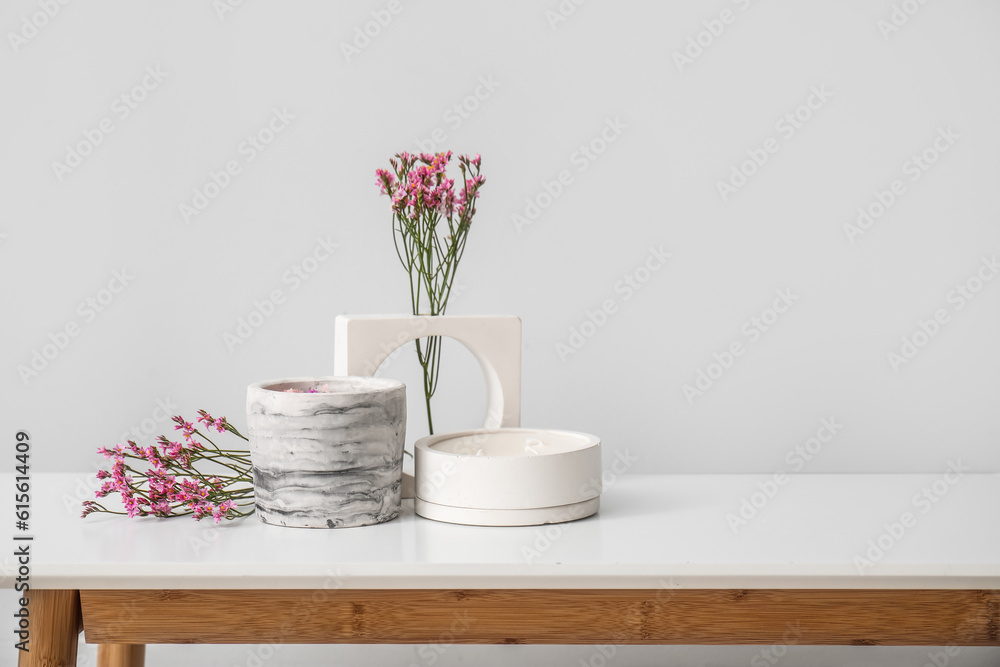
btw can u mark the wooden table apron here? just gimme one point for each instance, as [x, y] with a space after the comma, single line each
[123, 621]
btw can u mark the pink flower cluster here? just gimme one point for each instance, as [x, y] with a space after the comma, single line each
[171, 484]
[420, 185]
[322, 389]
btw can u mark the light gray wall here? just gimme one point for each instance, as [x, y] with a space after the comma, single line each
[535, 86]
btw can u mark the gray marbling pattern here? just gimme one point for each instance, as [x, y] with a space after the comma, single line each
[327, 460]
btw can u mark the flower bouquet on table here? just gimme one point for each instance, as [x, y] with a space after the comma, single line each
[431, 220]
[192, 477]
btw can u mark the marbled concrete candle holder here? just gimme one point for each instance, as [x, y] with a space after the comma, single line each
[330, 459]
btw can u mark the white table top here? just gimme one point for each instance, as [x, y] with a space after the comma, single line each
[653, 531]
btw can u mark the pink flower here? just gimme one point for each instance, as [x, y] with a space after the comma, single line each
[118, 472]
[202, 509]
[385, 180]
[161, 508]
[185, 426]
[131, 506]
[222, 510]
[211, 422]
[109, 453]
[174, 452]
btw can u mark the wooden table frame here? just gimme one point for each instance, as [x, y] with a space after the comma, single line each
[123, 621]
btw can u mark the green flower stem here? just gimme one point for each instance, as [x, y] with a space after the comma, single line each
[430, 253]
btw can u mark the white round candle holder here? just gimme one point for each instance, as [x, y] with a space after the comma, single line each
[508, 476]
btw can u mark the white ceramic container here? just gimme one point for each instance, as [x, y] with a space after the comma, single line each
[508, 476]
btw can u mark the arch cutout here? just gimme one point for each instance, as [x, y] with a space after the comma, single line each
[363, 342]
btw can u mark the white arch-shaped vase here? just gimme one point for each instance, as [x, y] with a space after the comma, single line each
[364, 341]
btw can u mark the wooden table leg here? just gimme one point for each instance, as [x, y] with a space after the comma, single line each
[121, 655]
[54, 629]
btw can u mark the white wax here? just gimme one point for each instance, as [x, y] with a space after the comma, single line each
[533, 443]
